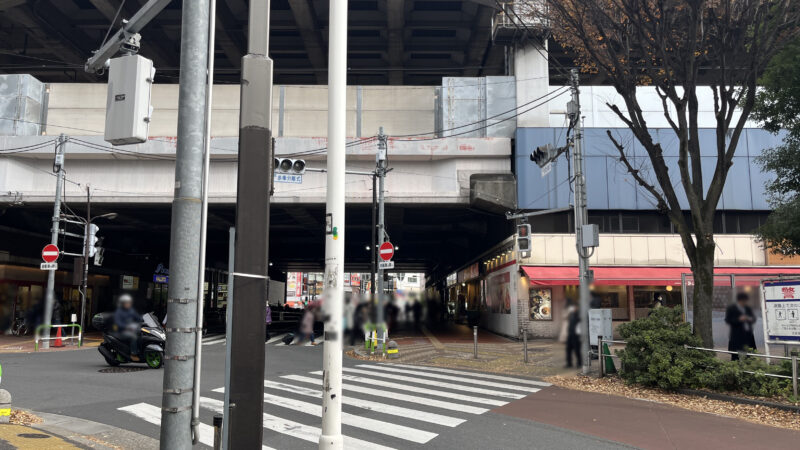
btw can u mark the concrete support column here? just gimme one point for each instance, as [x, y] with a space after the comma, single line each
[532, 74]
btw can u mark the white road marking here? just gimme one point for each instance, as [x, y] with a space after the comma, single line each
[395, 395]
[451, 378]
[490, 376]
[152, 414]
[276, 338]
[441, 384]
[369, 405]
[295, 429]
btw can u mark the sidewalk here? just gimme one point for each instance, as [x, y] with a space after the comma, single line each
[645, 424]
[453, 347]
[25, 344]
[62, 432]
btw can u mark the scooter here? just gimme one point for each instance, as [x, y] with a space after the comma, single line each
[116, 350]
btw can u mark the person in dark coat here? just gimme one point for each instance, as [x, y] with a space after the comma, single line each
[573, 334]
[739, 316]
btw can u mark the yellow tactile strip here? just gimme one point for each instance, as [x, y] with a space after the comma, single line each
[23, 438]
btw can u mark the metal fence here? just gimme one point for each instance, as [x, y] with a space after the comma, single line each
[793, 359]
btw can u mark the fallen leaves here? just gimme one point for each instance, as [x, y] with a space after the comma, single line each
[762, 415]
[19, 417]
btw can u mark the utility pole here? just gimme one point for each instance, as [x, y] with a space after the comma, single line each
[86, 251]
[333, 284]
[574, 110]
[373, 278]
[184, 298]
[58, 168]
[380, 159]
[251, 247]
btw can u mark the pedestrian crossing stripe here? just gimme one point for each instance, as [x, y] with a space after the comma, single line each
[395, 395]
[451, 378]
[490, 376]
[372, 387]
[441, 384]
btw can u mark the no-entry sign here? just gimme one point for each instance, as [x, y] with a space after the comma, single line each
[386, 251]
[50, 253]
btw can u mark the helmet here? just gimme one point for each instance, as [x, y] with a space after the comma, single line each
[125, 298]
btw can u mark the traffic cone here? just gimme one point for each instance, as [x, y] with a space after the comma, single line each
[58, 339]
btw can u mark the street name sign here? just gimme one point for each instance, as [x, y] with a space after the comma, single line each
[48, 266]
[386, 264]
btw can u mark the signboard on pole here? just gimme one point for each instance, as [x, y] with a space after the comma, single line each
[48, 266]
[50, 253]
[386, 251]
[386, 264]
[600, 325]
[781, 310]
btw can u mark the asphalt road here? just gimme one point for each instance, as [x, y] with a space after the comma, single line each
[416, 407]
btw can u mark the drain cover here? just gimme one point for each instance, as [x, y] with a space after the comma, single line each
[122, 369]
[33, 436]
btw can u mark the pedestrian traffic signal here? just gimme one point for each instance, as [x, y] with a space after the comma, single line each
[524, 239]
[290, 166]
[542, 155]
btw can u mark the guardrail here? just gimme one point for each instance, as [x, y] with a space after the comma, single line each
[793, 359]
[38, 337]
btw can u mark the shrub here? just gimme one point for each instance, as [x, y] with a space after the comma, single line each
[655, 353]
[655, 356]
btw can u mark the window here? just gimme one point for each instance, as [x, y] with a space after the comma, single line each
[630, 224]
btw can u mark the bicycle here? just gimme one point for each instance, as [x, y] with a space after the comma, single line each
[20, 328]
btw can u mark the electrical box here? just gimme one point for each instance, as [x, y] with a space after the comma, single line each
[590, 235]
[128, 110]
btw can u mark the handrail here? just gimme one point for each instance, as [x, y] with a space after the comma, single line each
[793, 359]
[38, 338]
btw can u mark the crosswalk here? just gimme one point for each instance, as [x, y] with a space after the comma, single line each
[409, 411]
[275, 340]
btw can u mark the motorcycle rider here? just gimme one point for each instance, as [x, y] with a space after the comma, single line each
[128, 321]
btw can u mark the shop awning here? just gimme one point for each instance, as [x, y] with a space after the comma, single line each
[647, 276]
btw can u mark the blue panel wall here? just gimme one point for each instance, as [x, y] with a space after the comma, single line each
[610, 186]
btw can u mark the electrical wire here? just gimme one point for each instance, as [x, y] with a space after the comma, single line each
[26, 148]
[111, 25]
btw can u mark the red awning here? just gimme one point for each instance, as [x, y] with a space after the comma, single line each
[647, 276]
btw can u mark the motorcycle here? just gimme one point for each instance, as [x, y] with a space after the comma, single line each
[116, 350]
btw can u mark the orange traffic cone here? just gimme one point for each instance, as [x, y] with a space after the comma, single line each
[58, 339]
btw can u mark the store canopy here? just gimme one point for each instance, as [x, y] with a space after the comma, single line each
[649, 276]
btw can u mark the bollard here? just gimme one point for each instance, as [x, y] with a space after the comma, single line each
[602, 356]
[5, 406]
[392, 351]
[525, 344]
[475, 338]
[217, 431]
[794, 375]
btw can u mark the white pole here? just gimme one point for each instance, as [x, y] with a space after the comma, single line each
[331, 437]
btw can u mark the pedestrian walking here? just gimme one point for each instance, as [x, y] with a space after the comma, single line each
[349, 317]
[573, 320]
[307, 325]
[739, 316]
[268, 321]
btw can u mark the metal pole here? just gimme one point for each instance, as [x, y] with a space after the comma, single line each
[228, 332]
[525, 343]
[381, 169]
[201, 265]
[602, 357]
[374, 249]
[217, 431]
[580, 219]
[794, 375]
[254, 187]
[475, 340]
[183, 299]
[86, 252]
[333, 305]
[50, 294]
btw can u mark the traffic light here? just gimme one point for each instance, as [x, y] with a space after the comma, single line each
[524, 239]
[93, 229]
[290, 166]
[542, 155]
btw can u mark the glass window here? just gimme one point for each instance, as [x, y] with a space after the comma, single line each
[748, 223]
[644, 298]
[614, 225]
[630, 224]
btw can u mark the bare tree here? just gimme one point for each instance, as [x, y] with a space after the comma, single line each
[678, 47]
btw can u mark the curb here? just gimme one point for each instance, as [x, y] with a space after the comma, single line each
[740, 400]
[93, 434]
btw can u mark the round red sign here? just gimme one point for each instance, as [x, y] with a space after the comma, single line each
[50, 253]
[386, 251]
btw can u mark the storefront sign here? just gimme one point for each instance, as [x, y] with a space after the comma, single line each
[781, 311]
[130, 282]
[452, 279]
[468, 273]
[355, 279]
[540, 302]
[160, 279]
[498, 292]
